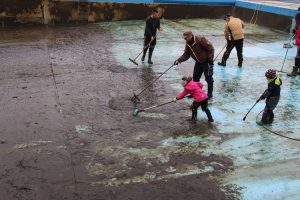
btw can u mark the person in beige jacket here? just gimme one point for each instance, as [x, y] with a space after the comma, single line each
[234, 34]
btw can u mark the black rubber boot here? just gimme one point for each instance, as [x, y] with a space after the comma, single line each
[209, 116]
[223, 63]
[210, 88]
[240, 64]
[144, 55]
[294, 72]
[271, 117]
[297, 63]
[224, 58]
[267, 117]
[194, 115]
[240, 59]
[150, 56]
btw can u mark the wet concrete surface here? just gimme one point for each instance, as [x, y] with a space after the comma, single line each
[67, 130]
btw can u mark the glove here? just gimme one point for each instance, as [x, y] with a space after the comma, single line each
[176, 62]
[211, 63]
[294, 31]
[174, 100]
[262, 97]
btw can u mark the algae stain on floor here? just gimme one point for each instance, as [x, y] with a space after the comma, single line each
[186, 145]
[151, 176]
[32, 144]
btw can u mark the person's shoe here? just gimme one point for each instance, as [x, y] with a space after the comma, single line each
[222, 64]
[294, 72]
[150, 56]
[211, 120]
[209, 116]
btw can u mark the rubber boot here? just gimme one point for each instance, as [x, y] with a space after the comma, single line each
[240, 59]
[222, 63]
[144, 55]
[210, 88]
[294, 72]
[194, 115]
[209, 116]
[150, 56]
[224, 58]
[271, 117]
[297, 63]
[266, 118]
[240, 64]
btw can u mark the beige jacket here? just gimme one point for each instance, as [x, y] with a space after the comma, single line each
[235, 26]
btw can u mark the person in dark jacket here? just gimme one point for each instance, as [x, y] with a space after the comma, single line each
[202, 51]
[152, 25]
[296, 31]
[272, 96]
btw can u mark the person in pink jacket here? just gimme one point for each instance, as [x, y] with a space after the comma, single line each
[194, 89]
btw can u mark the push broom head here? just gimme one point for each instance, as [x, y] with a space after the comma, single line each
[287, 45]
[133, 61]
[136, 112]
[135, 98]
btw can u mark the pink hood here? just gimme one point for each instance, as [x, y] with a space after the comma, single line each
[194, 89]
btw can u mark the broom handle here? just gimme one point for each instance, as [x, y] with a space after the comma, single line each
[159, 105]
[220, 52]
[147, 86]
[155, 106]
[146, 46]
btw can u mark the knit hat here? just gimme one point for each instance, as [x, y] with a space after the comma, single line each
[270, 73]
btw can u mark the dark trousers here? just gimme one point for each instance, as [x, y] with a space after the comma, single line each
[238, 44]
[208, 71]
[297, 58]
[268, 114]
[204, 107]
[151, 47]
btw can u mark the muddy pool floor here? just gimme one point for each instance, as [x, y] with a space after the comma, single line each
[67, 130]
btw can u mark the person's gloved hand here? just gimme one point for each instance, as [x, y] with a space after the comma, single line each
[211, 62]
[294, 31]
[174, 100]
[262, 97]
[176, 62]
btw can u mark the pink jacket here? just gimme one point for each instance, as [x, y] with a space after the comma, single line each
[195, 89]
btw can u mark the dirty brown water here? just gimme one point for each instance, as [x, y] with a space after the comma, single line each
[68, 132]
